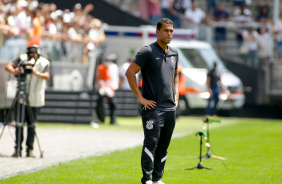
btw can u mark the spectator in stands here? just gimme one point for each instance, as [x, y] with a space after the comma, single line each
[264, 15]
[20, 18]
[165, 5]
[154, 10]
[195, 16]
[177, 9]
[265, 44]
[241, 16]
[278, 33]
[54, 35]
[6, 29]
[72, 38]
[34, 33]
[259, 5]
[250, 37]
[95, 36]
[238, 3]
[211, 6]
[220, 15]
[107, 82]
[80, 15]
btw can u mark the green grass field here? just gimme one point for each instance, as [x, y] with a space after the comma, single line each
[252, 148]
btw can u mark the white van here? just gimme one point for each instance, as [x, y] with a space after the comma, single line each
[196, 57]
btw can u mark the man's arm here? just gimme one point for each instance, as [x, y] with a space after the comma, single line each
[176, 85]
[44, 75]
[209, 85]
[10, 67]
[130, 74]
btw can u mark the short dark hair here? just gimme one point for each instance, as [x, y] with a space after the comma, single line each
[163, 20]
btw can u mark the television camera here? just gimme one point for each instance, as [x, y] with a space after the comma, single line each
[24, 70]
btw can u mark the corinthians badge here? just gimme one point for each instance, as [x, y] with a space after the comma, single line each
[149, 124]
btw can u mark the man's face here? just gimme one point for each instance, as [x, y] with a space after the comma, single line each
[220, 8]
[165, 33]
[31, 55]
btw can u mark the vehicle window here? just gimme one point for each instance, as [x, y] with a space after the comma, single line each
[210, 56]
[183, 60]
[199, 58]
[195, 58]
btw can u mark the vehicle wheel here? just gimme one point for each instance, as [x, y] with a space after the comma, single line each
[183, 106]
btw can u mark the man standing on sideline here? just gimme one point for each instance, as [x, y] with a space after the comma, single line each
[214, 87]
[158, 64]
[36, 82]
[107, 82]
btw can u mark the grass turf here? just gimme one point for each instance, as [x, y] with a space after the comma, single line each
[251, 146]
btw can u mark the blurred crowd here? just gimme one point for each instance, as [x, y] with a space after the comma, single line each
[255, 30]
[35, 21]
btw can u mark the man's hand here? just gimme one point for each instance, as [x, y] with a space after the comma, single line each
[17, 71]
[210, 92]
[147, 103]
[31, 68]
[176, 102]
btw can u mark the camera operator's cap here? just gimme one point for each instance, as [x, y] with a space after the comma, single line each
[111, 57]
[33, 49]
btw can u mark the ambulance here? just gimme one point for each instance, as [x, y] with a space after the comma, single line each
[195, 57]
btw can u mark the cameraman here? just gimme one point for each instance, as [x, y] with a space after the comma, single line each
[37, 68]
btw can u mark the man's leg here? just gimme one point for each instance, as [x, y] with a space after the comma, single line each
[19, 141]
[112, 105]
[216, 100]
[31, 128]
[164, 141]
[151, 136]
[208, 109]
[100, 108]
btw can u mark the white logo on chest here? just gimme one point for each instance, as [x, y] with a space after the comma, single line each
[172, 59]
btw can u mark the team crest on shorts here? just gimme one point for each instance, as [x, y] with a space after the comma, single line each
[149, 124]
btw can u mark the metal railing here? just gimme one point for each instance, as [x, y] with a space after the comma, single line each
[55, 51]
[70, 52]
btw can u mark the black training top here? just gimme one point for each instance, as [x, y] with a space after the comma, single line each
[214, 78]
[157, 70]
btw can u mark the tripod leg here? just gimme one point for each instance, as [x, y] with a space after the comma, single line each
[9, 115]
[2, 132]
[20, 118]
[41, 152]
[200, 164]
